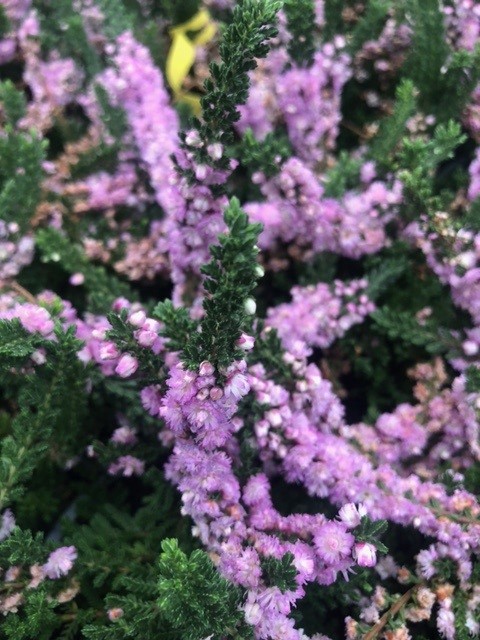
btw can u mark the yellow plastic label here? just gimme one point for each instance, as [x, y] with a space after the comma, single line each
[181, 56]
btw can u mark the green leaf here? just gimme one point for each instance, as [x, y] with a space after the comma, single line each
[195, 599]
[244, 40]
[301, 25]
[103, 288]
[13, 102]
[230, 278]
[279, 572]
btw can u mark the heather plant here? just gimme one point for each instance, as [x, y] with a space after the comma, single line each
[239, 320]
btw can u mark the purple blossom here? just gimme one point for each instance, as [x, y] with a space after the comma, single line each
[7, 524]
[351, 515]
[124, 435]
[127, 466]
[127, 365]
[365, 554]
[60, 562]
[35, 319]
[333, 542]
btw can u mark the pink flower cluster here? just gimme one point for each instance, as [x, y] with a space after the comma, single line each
[454, 256]
[306, 100]
[319, 314]
[295, 211]
[16, 251]
[241, 525]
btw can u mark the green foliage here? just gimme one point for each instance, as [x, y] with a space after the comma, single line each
[460, 608]
[13, 103]
[37, 620]
[119, 551]
[392, 129]
[117, 18]
[333, 18]
[460, 77]
[402, 325]
[418, 160]
[16, 344]
[113, 118]
[122, 334]
[62, 29]
[446, 569]
[269, 351]
[301, 25]
[473, 379]
[471, 219]
[52, 404]
[21, 157]
[370, 25]
[280, 572]
[266, 155]
[230, 278]
[176, 12]
[244, 40]
[429, 48]
[370, 531]
[21, 547]
[384, 273]
[195, 599]
[343, 176]
[103, 157]
[444, 77]
[102, 287]
[4, 22]
[179, 327]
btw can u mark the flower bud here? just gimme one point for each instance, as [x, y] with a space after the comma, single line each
[127, 365]
[215, 150]
[76, 279]
[114, 614]
[137, 319]
[259, 271]
[246, 342]
[351, 515]
[108, 351]
[250, 306]
[206, 369]
[365, 554]
[253, 613]
[216, 393]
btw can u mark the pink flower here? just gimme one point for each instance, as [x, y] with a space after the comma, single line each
[237, 386]
[446, 622]
[35, 319]
[77, 279]
[151, 398]
[253, 613]
[365, 554]
[333, 542]
[7, 524]
[137, 319]
[206, 368]
[127, 365]
[114, 614]
[108, 351]
[124, 435]
[146, 338]
[128, 466]
[246, 342]
[351, 515]
[60, 562]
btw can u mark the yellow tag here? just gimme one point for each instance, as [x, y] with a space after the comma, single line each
[182, 54]
[180, 60]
